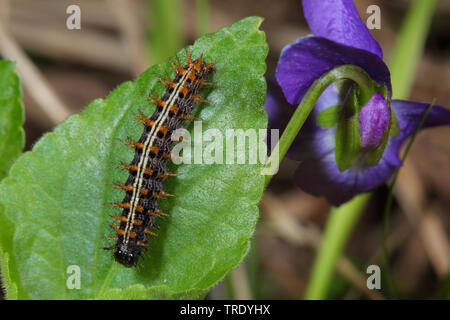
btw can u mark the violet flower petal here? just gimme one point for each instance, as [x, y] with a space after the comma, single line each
[338, 20]
[409, 114]
[318, 173]
[373, 119]
[278, 110]
[315, 146]
[305, 60]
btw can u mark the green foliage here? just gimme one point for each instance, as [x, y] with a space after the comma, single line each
[329, 117]
[409, 45]
[12, 136]
[348, 141]
[52, 212]
[166, 35]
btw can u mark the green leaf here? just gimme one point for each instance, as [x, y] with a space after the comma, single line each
[348, 140]
[12, 141]
[52, 212]
[394, 130]
[10, 286]
[12, 136]
[329, 117]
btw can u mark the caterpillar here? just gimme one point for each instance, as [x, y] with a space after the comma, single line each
[147, 171]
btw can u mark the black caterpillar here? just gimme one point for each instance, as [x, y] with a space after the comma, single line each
[147, 171]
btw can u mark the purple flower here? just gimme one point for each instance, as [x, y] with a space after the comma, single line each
[340, 38]
[373, 121]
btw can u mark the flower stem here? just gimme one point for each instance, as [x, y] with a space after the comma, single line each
[344, 72]
[340, 223]
[202, 13]
[405, 57]
[166, 35]
[409, 46]
[346, 214]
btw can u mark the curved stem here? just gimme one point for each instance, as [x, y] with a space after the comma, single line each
[344, 72]
[401, 64]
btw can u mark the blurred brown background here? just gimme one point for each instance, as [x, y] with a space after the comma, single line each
[63, 70]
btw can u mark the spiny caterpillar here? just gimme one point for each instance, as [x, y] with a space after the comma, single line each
[148, 170]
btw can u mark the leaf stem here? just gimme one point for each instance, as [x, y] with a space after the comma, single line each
[348, 72]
